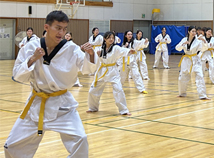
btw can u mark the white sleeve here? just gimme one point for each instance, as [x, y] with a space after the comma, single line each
[168, 40]
[179, 47]
[83, 62]
[157, 38]
[139, 44]
[145, 45]
[21, 72]
[204, 46]
[121, 51]
[22, 42]
[98, 40]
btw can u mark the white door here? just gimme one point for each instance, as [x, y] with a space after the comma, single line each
[7, 34]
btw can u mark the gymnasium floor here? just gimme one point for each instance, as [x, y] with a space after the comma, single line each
[161, 125]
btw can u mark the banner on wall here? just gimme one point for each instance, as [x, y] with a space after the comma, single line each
[176, 33]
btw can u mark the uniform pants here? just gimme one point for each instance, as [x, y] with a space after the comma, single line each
[143, 68]
[211, 68]
[133, 67]
[23, 140]
[185, 76]
[165, 58]
[96, 92]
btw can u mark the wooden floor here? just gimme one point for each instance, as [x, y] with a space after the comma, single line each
[161, 126]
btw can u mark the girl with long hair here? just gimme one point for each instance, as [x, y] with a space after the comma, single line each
[127, 64]
[108, 73]
[191, 62]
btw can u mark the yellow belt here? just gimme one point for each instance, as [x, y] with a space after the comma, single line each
[141, 54]
[94, 46]
[211, 51]
[44, 97]
[102, 65]
[189, 56]
[128, 61]
[160, 45]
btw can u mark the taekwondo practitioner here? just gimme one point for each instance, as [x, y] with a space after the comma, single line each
[191, 62]
[163, 39]
[51, 65]
[30, 37]
[108, 72]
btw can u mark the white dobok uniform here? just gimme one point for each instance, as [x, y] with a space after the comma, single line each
[24, 40]
[108, 72]
[130, 64]
[207, 55]
[191, 62]
[97, 43]
[162, 47]
[117, 40]
[60, 113]
[141, 60]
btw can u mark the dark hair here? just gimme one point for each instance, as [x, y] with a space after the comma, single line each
[198, 28]
[94, 29]
[126, 40]
[56, 16]
[207, 29]
[70, 34]
[138, 32]
[204, 29]
[189, 29]
[29, 28]
[106, 36]
[44, 32]
[163, 28]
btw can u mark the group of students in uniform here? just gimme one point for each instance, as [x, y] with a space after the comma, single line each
[51, 66]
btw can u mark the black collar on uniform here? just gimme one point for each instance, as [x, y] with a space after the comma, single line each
[47, 58]
[208, 39]
[28, 38]
[189, 45]
[163, 36]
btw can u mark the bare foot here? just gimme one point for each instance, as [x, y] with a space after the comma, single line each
[90, 111]
[205, 98]
[128, 114]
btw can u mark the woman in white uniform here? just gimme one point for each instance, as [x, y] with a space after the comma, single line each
[127, 64]
[96, 40]
[191, 62]
[30, 37]
[207, 55]
[163, 39]
[108, 72]
[141, 57]
[68, 37]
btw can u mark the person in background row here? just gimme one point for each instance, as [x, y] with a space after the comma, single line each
[191, 62]
[198, 31]
[163, 39]
[127, 64]
[141, 57]
[30, 37]
[207, 55]
[117, 39]
[68, 37]
[96, 40]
